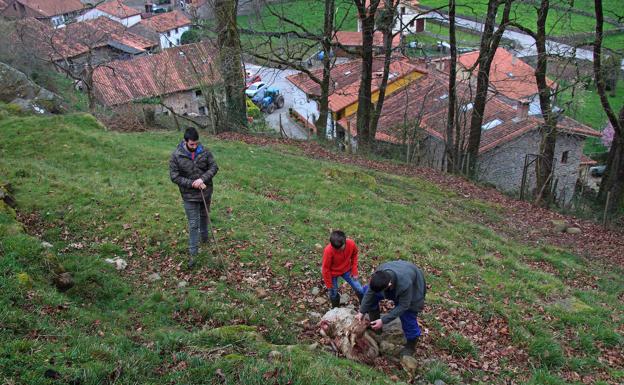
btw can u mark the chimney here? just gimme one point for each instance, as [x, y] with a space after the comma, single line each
[523, 110]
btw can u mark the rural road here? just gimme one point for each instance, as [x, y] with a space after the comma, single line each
[526, 42]
[293, 98]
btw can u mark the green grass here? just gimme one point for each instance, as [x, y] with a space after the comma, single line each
[584, 106]
[99, 194]
[307, 13]
[559, 23]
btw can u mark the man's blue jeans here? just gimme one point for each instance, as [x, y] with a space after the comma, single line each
[409, 319]
[198, 224]
[353, 282]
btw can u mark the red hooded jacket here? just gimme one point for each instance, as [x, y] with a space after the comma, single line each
[338, 262]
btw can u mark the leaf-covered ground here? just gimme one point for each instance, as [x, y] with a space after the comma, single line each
[510, 300]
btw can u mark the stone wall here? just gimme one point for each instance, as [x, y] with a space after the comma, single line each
[503, 166]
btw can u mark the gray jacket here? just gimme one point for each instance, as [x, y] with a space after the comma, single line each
[183, 170]
[408, 290]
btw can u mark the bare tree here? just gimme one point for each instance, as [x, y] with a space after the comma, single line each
[490, 40]
[452, 153]
[366, 16]
[230, 62]
[612, 184]
[544, 166]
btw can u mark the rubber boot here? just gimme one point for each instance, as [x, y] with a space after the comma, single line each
[375, 315]
[409, 348]
[335, 301]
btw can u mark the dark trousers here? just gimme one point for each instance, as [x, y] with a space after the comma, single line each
[409, 319]
[198, 223]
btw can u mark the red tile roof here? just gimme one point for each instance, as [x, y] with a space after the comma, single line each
[425, 102]
[587, 161]
[79, 38]
[354, 39]
[49, 8]
[118, 9]
[509, 76]
[346, 80]
[174, 70]
[167, 21]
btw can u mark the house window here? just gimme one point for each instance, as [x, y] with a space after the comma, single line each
[178, 42]
[411, 23]
[198, 93]
[203, 110]
[168, 33]
[564, 157]
[402, 10]
[176, 30]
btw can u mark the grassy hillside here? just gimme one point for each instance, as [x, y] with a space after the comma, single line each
[496, 311]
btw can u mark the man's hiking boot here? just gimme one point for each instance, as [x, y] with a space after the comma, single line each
[409, 348]
[335, 301]
[374, 315]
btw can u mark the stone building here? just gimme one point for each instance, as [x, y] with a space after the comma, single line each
[115, 10]
[81, 45]
[56, 13]
[176, 80]
[166, 28]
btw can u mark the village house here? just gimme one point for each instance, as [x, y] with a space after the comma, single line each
[343, 98]
[82, 44]
[115, 10]
[415, 118]
[173, 81]
[511, 79]
[350, 43]
[56, 13]
[409, 18]
[167, 28]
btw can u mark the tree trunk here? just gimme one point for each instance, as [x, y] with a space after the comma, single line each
[228, 42]
[544, 167]
[386, 23]
[367, 18]
[613, 179]
[489, 44]
[328, 33]
[451, 161]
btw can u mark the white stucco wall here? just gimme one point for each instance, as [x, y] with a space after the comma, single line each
[95, 13]
[173, 39]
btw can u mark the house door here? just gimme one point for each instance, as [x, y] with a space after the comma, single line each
[420, 25]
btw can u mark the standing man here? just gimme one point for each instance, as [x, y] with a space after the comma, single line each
[192, 168]
[404, 283]
[340, 259]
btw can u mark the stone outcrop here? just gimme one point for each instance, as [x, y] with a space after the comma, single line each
[16, 88]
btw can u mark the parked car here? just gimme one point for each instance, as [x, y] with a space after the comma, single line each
[253, 89]
[597, 171]
[251, 79]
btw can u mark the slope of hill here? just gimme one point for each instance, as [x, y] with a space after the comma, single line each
[497, 310]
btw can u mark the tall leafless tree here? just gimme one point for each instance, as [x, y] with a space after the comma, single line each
[366, 16]
[544, 166]
[613, 180]
[490, 40]
[452, 152]
[230, 61]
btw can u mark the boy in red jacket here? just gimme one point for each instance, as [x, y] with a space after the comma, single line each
[340, 259]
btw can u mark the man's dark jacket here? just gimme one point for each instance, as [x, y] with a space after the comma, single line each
[183, 170]
[408, 290]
